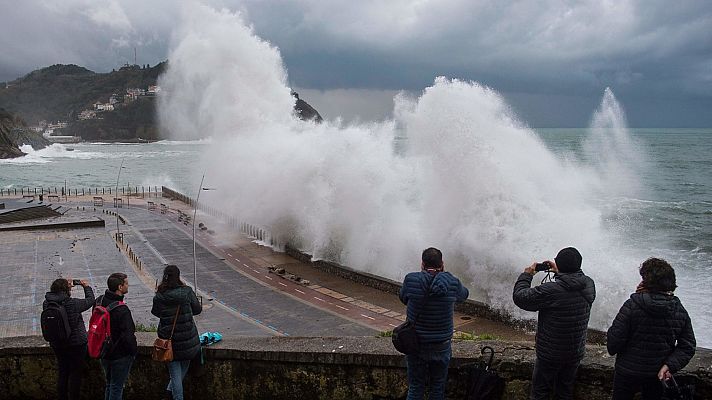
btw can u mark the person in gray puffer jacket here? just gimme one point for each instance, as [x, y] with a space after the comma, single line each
[174, 297]
[433, 323]
[564, 307]
[652, 335]
[71, 354]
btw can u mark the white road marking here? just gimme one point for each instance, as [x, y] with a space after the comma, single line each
[281, 283]
[343, 308]
[269, 278]
[299, 291]
[320, 299]
[366, 316]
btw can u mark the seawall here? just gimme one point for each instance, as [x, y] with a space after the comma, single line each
[308, 368]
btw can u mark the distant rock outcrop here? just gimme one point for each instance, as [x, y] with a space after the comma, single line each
[304, 110]
[14, 133]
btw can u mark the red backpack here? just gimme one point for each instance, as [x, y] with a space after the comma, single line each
[99, 341]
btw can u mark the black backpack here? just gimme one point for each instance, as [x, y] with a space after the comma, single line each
[55, 324]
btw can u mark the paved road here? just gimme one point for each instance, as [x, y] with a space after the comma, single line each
[241, 296]
[237, 283]
[31, 260]
[239, 299]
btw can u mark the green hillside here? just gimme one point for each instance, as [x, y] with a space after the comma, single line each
[60, 92]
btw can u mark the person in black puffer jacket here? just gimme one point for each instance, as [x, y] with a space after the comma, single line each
[651, 336]
[71, 354]
[173, 298]
[564, 307]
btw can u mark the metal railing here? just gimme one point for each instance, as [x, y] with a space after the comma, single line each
[257, 232]
[136, 191]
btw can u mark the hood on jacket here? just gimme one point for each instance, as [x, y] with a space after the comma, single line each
[656, 304]
[110, 297]
[56, 297]
[177, 295]
[575, 282]
[439, 283]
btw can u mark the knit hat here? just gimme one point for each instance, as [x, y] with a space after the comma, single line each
[568, 260]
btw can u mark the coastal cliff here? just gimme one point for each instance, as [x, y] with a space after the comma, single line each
[14, 133]
[114, 106]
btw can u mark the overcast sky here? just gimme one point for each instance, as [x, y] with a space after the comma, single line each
[550, 59]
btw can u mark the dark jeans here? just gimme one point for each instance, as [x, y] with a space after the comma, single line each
[70, 362]
[116, 372]
[555, 378]
[428, 368]
[625, 386]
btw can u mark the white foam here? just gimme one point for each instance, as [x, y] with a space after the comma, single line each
[207, 140]
[470, 178]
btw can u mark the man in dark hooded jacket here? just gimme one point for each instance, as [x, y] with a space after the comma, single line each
[651, 336]
[433, 323]
[564, 307]
[71, 354]
[118, 360]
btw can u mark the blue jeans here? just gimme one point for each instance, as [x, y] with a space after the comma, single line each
[428, 366]
[116, 373]
[177, 371]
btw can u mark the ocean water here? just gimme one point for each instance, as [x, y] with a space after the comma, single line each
[670, 216]
[169, 163]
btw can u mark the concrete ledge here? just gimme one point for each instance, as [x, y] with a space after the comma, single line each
[309, 368]
[92, 223]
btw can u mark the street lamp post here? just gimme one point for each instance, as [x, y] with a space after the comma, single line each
[116, 204]
[195, 212]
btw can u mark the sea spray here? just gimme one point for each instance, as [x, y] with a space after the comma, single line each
[613, 152]
[470, 178]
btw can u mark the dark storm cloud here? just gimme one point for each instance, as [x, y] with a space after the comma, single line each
[99, 35]
[544, 57]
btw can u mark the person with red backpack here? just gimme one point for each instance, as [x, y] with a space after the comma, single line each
[118, 350]
[63, 327]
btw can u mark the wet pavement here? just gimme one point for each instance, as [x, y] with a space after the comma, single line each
[241, 296]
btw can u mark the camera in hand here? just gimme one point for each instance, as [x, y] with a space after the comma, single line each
[76, 282]
[542, 266]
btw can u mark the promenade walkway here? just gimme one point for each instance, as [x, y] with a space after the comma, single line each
[241, 296]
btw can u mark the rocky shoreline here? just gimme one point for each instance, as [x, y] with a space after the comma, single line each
[14, 133]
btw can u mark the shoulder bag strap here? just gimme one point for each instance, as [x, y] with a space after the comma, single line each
[174, 321]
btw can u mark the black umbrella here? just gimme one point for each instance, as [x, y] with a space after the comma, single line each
[673, 391]
[485, 384]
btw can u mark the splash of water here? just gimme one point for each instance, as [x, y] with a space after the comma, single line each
[613, 152]
[47, 154]
[470, 179]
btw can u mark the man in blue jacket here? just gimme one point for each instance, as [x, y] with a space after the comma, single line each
[433, 323]
[564, 307]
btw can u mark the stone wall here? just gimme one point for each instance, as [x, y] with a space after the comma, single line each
[307, 368]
